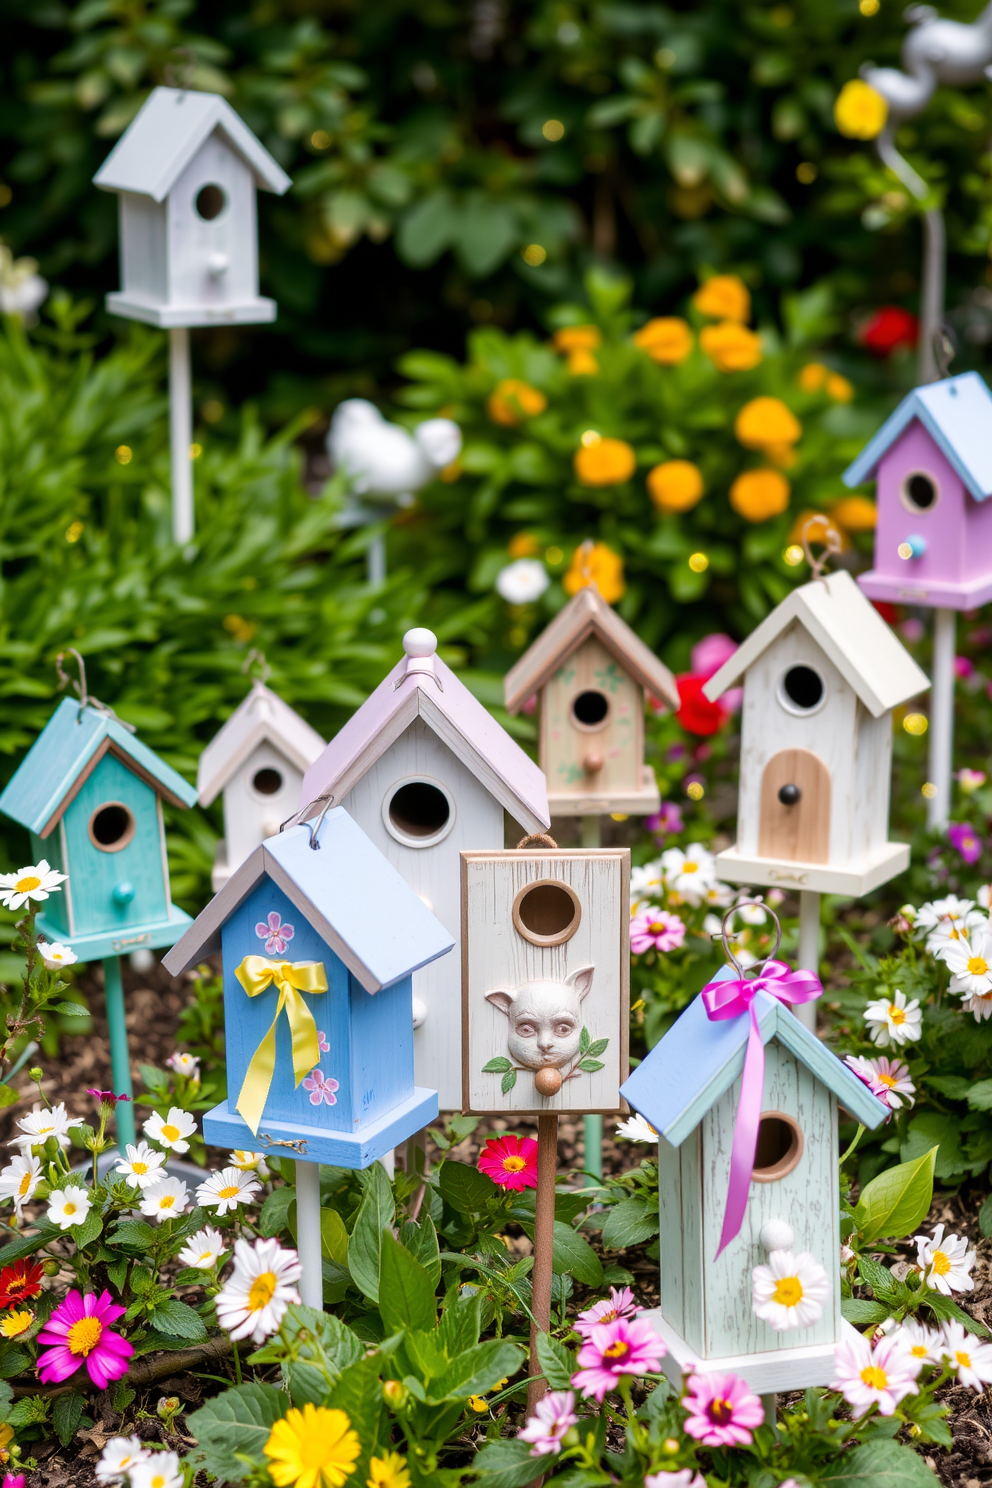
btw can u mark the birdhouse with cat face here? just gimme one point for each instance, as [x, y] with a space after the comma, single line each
[545, 981]
[186, 171]
[821, 675]
[319, 938]
[257, 762]
[91, 796]
[590, 675]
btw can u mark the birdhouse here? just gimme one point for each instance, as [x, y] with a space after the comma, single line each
[590, 674]
[932, 462]
[426, 771]
[319, 937]
[546, 963]
[258, 761]
[90, 794]
[186, 171]
[821, 677]
[688, 1088]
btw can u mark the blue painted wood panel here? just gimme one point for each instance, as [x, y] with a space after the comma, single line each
[381, 1047]
[94, 874]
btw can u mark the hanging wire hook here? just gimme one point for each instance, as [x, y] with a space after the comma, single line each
[725, 937]
[945, 348]
[313, 828]
[81, 691]
[256, 658]
[831, 540]
[180, 74]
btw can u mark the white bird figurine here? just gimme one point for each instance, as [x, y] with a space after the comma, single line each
[385, 462]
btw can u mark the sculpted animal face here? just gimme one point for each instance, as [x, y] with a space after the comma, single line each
[545, 1019]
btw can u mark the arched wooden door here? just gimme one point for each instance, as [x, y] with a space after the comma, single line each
[797, 827]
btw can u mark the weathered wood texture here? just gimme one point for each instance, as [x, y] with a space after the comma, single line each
[800, 831]
[602, 758]
[251, 815]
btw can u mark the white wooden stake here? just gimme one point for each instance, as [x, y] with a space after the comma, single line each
[308, 1241]
[942, 717]
[181, 435]
[809, 950]
[376, 561]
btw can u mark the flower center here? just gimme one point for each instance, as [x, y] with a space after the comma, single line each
[16, 1323]
[941, 1262]
[69, 1208]
[26, 884]
[262, 1290]
[897, 1014]
[513, 1164]
[25, 1185]
[873, 1377]
[919, 1351]
[963, 1359]
[617, 1350]
[206, 1258]
[888, 1080]
[139, 1168]
[167, 1201]
[170, 1133]
[84, 1336]
[43, 1131]
[656, 927]
[788, 1291]
[720, 1410]
[230, 1192]
[690, 867]
[977, 965]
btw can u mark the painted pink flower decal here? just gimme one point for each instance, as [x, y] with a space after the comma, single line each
[321, 1088]
[275, 934]
[322, 1043]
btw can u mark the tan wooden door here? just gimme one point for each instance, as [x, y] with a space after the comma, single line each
[798, 832]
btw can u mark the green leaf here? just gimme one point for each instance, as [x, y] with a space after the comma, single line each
[508, 1081]
[878, 1464]
[630, 1222]
[179, 1320]
[947, 1310]
[358, 1393]
[589, 1066]
[943, 1131]
[365, 1243]
[557, 1364]
[875, 1275]
[273, 1217]
[421, 1241]
[133, 1233]
[72, 1010]
[90, 1229]
[478, 1369]
[8, 1096]
[985, 1218]
[894, 1203]
[13, 1362]
[233, 1426]
[485, 233]
[598, 1046]
[574, 1256]
[497, 1066]
[860, 1312]
[406, 1292]
[333, 1236]
[66, 1413]
[507, 1464]
[464, 1188]
[980, 1096]
[584, 1040]
[427, 230]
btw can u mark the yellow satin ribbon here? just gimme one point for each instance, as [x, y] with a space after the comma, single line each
[256, 974]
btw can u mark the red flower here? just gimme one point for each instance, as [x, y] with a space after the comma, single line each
[696, 713]
[887, 610]
[888, 329]
[511, 1162]
[19, 1282]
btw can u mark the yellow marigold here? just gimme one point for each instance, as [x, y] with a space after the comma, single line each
[16, 1323]
[759, 494]
[813, 376]
[578, 338]
[390, 1471]
[856, 513]
[675, 485]
[732, 347]
[607, 462]
[766, 421]
[724, 297]
[312, 1448]
[860, 112]
[815, 525]
[522, 545]
[582, 363]
[512, 400]
[595, 563]
[839, 388]
[782, 455]
[666, 339]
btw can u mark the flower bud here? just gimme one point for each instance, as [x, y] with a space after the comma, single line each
[51, 1267]
[670, 1445]
[394, 1393]
[168, 1405]
[35, 1073]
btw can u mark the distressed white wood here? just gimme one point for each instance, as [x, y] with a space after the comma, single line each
[250, 817]
[194, 243]
[671, 1240]
[794, 1368]
[143, 245]
[853, 879]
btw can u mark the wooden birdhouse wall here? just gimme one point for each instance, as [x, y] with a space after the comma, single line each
[709, 1301]
[197, 235]
[262, 794]
[144, 247]
[605, 754]
[944, 522]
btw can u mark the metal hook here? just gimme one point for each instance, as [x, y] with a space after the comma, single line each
[831, 543]
[759, 967]
[180, 74]
[945, 349]
[255, 656]
[80, 688]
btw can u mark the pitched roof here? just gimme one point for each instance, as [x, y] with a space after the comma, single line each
[261, 717]
[67, 750]
[957, 414]
[166, 133]
[587, 614]
[697, 1060]
[421, 686]
[352, 896]
[848, 628]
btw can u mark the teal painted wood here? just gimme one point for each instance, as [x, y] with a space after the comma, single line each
[58, 907]
[119, 1060]
[102, 943]
[101, 880]
[223, 1127]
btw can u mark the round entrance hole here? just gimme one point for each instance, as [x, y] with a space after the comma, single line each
[210, 202]
[547, 912]
[780, 1146]
[111, 827]
[267, 781]
[803, 688]
[590, 708]
[419, 810]
[919, 492]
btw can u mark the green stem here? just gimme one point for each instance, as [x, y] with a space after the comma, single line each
[237, 1364]
[857, 1138]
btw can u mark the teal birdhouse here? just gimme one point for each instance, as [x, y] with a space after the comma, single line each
[90, 794]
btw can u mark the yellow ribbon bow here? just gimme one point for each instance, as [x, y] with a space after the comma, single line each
[256, 974]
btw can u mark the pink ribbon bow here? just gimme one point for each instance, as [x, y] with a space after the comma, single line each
[734, 999]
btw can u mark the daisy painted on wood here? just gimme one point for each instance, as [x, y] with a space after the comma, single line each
[894, 1020]
[253, 1300]
[79, 1334]
[31, 883]
[945, 1261]
[789, 1292]
[511, 1162]
[227, 1189]
[172, 1131]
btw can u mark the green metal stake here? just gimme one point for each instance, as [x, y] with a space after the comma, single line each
[120, 1062]
[592, 1126]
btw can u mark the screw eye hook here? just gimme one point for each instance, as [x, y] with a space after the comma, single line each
[725, 938]
[830, 539]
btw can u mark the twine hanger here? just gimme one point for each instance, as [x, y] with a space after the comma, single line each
[831, 543]
[80, 689]
[256, 659]
[725, 938]
[945, 348]
[536, 840]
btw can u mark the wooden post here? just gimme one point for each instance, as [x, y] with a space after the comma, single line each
[308, 1242]
[181, 434]
[941, 718]
[120, 1062]
[375, 560]
[592, 1126]
[544, 1230]
[809, 949]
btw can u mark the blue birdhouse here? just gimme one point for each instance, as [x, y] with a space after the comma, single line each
[90, 794]
[319, 937]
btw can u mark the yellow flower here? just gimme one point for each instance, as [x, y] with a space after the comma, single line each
[766, 421]
[675, 485]
[578, 338]
[724, 297]
[522, 545]
[856, 513]
[732, 347]
[839, 388]
[782, 455]
[595, 563]
[759, 494]
[312, 1448]
[16, 1323]
[476, 1403]
[606, 462]
[666, 339]
[388, 1472]
[860, 112]
[813, 376]
[582, 363]
[512, 400]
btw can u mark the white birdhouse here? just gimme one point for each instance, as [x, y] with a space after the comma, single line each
[258, 760]
[821, 676]
[186, 171]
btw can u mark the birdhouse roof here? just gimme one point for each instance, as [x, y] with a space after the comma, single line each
[849, 630]
[697, 1060]
[167, 132]
[352, 896]
[422, 686]
[66, 752]
[585, 615]
[957, 414]
[260, 718]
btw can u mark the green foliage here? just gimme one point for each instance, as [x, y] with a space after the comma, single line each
[894, 1203]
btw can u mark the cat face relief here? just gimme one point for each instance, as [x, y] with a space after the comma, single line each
[545, 1020]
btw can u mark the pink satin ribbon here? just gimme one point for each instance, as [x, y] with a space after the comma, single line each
[735, 999]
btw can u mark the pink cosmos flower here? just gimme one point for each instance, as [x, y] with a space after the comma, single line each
[553, 1416]
[881, 1375]
[656, 929]
[966, 840]
[684, 1477]
[964, 667]
[612, 1350]
[668, 818]
[79, 1333]
[321, 1088]
[510, 1161]
[275, 934]
[107, 1098]
[722, 1410]
[619, 1304]
[14, 1480]
[708, 655]
[322, 1043]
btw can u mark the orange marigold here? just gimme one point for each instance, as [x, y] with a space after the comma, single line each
[757, 495]
[813, 376]
[856, 513]
[732, 347]
[766, 421]
[582, 363]
[724, 297]
[522, 545]
[675, 485]
[578, 338]
[839, 388]
[666, 339]
[513, 400]
[607, 462]
[595, 563]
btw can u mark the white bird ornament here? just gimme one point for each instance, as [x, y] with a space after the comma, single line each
[387, 464]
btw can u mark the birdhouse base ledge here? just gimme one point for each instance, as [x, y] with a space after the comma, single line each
[850, 878]
[250, 312]
[795, 1368]
[101, 943]
[936, 593]
[633, 803]
[223, 1127]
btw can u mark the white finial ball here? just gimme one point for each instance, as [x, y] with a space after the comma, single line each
[777, 1234]
[420, 642]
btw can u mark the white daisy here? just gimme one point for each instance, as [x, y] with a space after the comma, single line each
[790, 1291]
[946, 1262]
[984, 896]
[970, 1360]
[253, 1300]
[19, 1180]
[636, 1129]
[119, 1456]
[227, 1189]
[881, 1374]
[751, 914]
[893, 1085]
[158, 1470]
[921, 1342]
[184, 1064]
[690, 874]
[969, 961]
[164, 1200]
[140, 1165]
[68, 1206]
[522, 582]
[719, 895]
[56, 954]
[171, 1133]
[204, 1249]
[646, 886]
[898, 1021]
[35, 882]
[935, 911]
[247, 1162]
[41, 1123]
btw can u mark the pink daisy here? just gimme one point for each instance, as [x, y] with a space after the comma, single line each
[321, 1087]
[79, 1333]
[655, 929]
[722, 1410]
[553, 1416]
[511, 1162]
[612, 1350]
[275, 934]
[619, 1304]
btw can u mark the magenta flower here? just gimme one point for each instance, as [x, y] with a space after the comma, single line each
[668, 819]
[708, 655]
[322, 1043]
[964, 838]
[14, 1480]
[275, 934]
[619, 1304]
[655, 930]
[612, 1350]
[553, 1416]
[963, 667]
[321, 1088]
[107, 1098]
[722, 1410]
[79, 1333]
